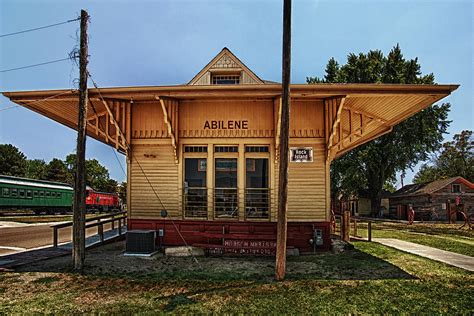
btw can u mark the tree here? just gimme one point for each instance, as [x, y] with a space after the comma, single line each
[12, 161]
[36, 169]
[369, 167]
[97, 176]
[456, 158]
[56, 170]
[122, 192]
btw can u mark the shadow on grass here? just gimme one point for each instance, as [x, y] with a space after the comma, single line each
[108, 262]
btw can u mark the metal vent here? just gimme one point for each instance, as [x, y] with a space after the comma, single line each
[140, 241]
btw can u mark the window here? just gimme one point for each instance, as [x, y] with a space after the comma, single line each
[41, 193]
[195, 191]
[48, 194]
[225, 79]
[28, 194]
[195, 149]
[226, 149]
[225, 191]
[58, 195]
[456, 188]
[22, 193]
[14, 192]
[257, 193]
[256, 149]
[35, 193]
[6, 192]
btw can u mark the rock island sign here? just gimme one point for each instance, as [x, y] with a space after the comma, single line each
[301, 154]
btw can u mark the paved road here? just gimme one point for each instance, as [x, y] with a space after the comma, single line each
[451, 258]
[22, 237]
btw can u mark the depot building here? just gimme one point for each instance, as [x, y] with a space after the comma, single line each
[202, 158]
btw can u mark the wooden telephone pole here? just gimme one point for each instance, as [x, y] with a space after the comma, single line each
[280, 266]
[78, 237]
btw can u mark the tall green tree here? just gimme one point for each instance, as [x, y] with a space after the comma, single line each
[56, 170]
[456, 158]
[122, 192]
[97, 176]
[36, 169]
[12, 161]
[370, 167]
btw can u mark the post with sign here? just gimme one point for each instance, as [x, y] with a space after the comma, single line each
[280, 262]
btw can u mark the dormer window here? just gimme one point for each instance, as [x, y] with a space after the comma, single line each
[225, 79]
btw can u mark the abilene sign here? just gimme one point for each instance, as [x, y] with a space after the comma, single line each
[230, 124]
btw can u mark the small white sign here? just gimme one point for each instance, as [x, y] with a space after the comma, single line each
[301, 154]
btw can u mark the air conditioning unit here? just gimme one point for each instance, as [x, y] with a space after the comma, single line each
[140, 242]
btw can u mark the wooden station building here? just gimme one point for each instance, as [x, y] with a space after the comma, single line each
[207, 151]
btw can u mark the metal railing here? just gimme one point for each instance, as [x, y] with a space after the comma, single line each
[195, 202]
[341, 226]
[257, 203]
[100, 221]
[227, 203]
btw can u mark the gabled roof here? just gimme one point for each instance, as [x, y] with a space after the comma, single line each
[226, 60]
[382, 105]
[430, 187]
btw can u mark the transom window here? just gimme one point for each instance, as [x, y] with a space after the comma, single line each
[226, 149]
[256, 149]
[225, 79]
[195, 149]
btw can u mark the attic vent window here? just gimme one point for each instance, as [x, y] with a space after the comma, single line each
[225, 79]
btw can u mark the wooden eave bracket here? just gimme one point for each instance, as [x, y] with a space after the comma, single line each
[93, 122]
[277, 132]
[335, 126]
[170, 127]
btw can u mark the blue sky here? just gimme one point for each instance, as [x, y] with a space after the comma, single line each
[168, 42]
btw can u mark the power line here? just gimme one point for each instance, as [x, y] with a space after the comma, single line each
[36, 65]
[40, 28]
[37, 101]
[10, 107]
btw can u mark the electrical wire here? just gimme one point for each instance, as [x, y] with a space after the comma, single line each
[36, 65]
[10, 107]
[40, 28]
[146, 177]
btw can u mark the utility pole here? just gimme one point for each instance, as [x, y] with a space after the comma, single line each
[280, 264]
[78, 236]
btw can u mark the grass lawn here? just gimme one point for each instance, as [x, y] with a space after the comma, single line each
[442, 236]
[369, 279]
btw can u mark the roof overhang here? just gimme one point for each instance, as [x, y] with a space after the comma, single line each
[362, 112]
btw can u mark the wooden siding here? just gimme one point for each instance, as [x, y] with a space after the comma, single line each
[159, 166]
[194, 114]
[307, 185]
[307, 118]
[147, 120]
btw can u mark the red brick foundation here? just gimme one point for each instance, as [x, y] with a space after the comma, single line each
[212, 232]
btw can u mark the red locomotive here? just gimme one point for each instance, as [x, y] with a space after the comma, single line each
[101, 201]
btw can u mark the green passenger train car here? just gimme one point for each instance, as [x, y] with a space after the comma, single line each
[37, 195]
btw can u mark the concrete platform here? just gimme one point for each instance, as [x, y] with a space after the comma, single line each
[451, 258]
[42, 253]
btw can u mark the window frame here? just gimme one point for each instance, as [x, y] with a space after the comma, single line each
[456, 185]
